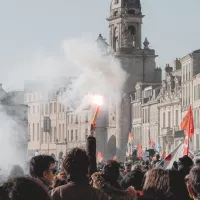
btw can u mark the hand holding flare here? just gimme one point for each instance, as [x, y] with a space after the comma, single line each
[98, 100]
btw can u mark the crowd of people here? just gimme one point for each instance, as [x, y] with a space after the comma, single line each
[112, 182]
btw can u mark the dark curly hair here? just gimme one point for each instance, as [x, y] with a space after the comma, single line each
[194, 180]
[23, 188]
[76, 164]
[165, 184]
[111, 171]
[40, 164]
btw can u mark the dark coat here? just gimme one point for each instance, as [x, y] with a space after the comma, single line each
[133, 178]
[77, 191]
[113, 191]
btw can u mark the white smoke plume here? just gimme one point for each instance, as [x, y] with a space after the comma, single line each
[92, 73]
[99, 73]
[13, 137]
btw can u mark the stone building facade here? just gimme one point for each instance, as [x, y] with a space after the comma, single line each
[178, 91]
[68, 129]
[125, 23]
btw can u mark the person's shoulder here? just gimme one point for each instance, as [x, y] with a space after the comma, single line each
[100, 195]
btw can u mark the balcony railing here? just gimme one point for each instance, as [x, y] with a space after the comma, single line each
[166, 131]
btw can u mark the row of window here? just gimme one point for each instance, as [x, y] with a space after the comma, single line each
[196, 116]
[186, 72]
[31, 97]
[36, 134]
[71, 118]
[197, 92]
[47, 108]
[168, 116]
[186, 95]
[136, 111]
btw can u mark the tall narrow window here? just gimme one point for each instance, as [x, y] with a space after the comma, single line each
[198, 118]
[45, 135]
[71, 119]
[33, 132]
[38, 131]
[63, 132]
[72, 137]
[42, 109]
[177, 118]
[50, 137]
[67, 119]
[68, 136]
[86, 134]
[163, 120]
[51, 108]
[59, 132]
[76, 135]
[46, 109]
[169, 119]
[55, 107]
[55, 136]
[42, 136]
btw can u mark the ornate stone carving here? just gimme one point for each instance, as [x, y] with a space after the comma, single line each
[127, 38]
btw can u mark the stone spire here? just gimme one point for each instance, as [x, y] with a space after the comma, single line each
[103, 45]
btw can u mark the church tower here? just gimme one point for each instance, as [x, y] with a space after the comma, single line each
[125, 23]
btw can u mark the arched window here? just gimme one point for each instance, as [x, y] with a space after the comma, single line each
[115, 40]
[131, 12]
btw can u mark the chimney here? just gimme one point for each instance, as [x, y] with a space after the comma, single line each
[177, 64]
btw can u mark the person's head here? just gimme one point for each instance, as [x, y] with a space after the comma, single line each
[111, 171]
[168, 184]
[43, 167]
[156, 183]
[136, 167]
[157, 156]
[128, 165]
[23, 188]
[76, 164]
[135, 179]
[16, 171]
[185, 164]
[194, 182]
[178, 189]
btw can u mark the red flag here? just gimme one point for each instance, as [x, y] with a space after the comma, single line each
[100, 157]
[164, 155]
[115, 158]
[186, 149]
[140, 151]
[188, 123]
[130, 138]
[152, 143]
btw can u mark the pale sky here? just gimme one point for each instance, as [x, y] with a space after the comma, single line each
[27, 26]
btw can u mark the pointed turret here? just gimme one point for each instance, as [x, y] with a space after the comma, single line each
[102, 44]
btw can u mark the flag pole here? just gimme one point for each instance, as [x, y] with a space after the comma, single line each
[189, 135]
